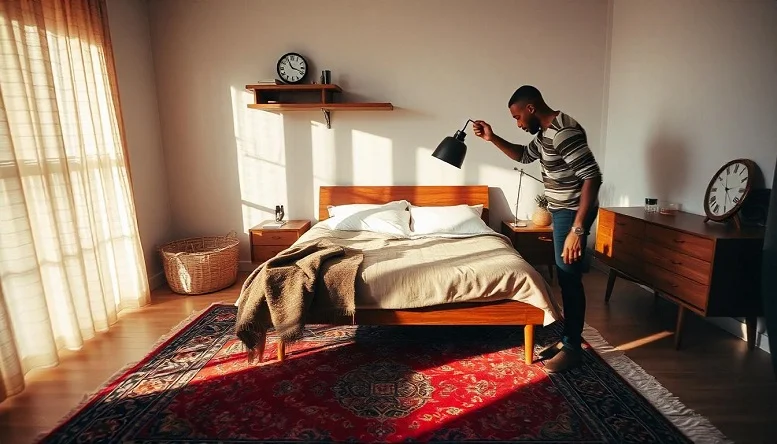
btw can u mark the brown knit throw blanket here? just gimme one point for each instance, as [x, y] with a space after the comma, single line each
[316, 275]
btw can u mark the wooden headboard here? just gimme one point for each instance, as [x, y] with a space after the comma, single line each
[422, 195]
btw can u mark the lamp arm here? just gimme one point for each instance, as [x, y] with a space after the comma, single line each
[527, 174]
[465, 124]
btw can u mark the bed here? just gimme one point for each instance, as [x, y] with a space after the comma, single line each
[472, 276]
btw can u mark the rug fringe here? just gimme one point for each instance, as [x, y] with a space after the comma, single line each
[696, 427]
[87, 397]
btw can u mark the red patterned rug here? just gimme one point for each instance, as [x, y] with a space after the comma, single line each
[368, 384]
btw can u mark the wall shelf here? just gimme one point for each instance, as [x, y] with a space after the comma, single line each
[307, 97]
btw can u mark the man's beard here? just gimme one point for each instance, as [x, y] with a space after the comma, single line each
[534, 126]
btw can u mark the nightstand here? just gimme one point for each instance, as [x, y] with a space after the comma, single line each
[267, 242]
[533, 243]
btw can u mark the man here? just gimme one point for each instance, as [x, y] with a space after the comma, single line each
[572, 179]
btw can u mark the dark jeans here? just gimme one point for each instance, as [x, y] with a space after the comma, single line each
[570, 276]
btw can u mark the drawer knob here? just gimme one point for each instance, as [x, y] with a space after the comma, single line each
[679, 241]
[545, 239]
[676, 262]
[675, 285]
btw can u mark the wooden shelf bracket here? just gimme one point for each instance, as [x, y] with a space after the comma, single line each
[327, 118]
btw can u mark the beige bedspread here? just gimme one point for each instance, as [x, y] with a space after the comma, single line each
[421, 272]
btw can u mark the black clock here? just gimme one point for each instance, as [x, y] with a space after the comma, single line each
[292, 68]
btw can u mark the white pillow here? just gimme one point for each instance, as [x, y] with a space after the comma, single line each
[348, 209]
[450, 220]
[391, 218]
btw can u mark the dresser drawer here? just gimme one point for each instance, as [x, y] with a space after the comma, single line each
[627, 225]
[678, 286]
[627, 244]
[698, 247]
[680, 263]
[270, 237]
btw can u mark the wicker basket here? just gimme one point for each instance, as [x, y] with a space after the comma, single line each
[198, 265]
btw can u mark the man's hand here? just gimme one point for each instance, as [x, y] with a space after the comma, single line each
[572, 248]
[483, 130]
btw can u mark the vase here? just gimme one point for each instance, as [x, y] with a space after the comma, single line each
[541, 217]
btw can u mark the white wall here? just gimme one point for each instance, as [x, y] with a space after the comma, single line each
[129, 27]
[692, 85]
[229, 166]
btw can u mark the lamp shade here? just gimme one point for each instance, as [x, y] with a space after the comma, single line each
[452, 149]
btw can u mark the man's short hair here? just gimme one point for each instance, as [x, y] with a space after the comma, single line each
[526, 93]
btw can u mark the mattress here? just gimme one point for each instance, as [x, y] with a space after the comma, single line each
[401, 273]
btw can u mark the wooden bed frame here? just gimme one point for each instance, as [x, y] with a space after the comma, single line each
[505, 312]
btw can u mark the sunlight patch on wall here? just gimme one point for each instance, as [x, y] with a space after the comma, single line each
[324, 159]
[432, 171]
[372, 163]
[261, 158]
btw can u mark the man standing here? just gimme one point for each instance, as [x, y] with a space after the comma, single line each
[572, 179]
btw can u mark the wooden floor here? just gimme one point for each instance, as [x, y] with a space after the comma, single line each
[713, 374]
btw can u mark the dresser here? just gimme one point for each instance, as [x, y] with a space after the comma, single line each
[267, 242]
[533, 243]
[710, 269]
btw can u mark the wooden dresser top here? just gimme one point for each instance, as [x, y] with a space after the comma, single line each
[691, 223]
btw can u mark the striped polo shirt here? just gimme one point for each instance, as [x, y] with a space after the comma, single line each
[566, 161]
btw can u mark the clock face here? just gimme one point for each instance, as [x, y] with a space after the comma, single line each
[292, 68]
[728, 189]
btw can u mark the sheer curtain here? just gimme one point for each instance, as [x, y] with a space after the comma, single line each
[70, 254]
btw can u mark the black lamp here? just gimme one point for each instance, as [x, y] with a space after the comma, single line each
[452, 149]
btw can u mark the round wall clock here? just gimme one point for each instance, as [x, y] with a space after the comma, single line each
[292, 68]
[728, 189]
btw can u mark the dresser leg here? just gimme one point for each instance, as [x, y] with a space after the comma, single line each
[550, 271]
[610, 284]
[752, 323]
[681, 312]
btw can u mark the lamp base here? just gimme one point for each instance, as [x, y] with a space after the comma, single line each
[519, 224]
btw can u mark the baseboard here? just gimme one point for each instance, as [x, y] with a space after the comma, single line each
[157, 280]
[730, 325]
[246, 266]
[739, 329]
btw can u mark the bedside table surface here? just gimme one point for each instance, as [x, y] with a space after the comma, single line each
[290, 225]
[529, 228]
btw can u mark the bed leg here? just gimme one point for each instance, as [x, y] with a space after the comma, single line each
[281, 350]
[260, 350]
[528, 343]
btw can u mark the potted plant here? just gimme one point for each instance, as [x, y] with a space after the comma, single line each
[541, 216]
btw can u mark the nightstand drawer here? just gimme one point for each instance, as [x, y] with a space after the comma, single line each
[533, 241]
[267, 242]
[270, 237]
[261, 253]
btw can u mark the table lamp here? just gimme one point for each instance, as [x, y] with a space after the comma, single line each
[518, 198]
[452, 149]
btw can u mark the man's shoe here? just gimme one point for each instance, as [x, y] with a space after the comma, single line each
[564, 360]
[550, 351]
